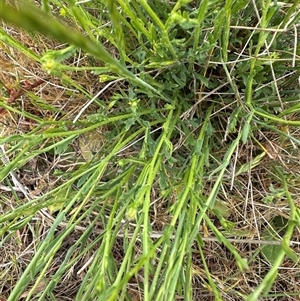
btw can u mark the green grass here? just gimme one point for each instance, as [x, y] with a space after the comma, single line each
[159, 157]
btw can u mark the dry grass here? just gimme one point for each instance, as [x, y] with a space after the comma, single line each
[52, 101]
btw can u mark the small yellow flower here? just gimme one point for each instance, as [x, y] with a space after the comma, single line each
[131, 213]
[62, 12]
[48, 65]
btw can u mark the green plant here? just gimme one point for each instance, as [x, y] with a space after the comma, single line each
[192, 104]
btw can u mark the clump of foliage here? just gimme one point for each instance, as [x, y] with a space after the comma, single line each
[166, 138]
